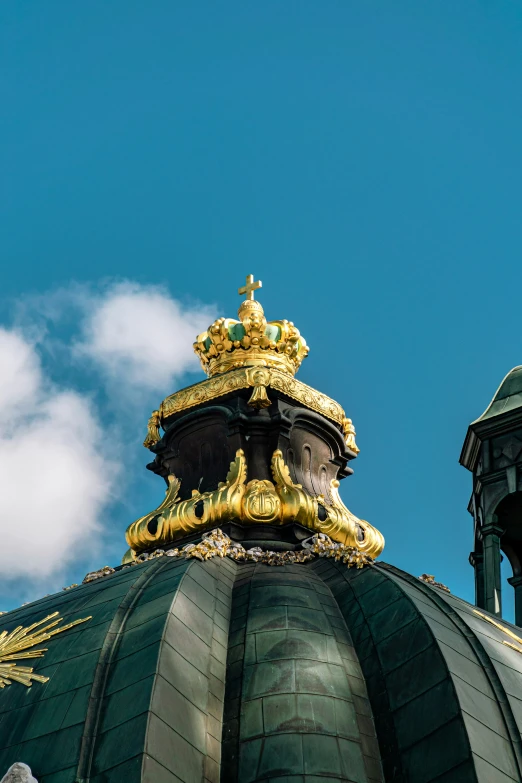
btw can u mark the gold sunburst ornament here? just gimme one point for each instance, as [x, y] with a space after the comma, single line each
[12, 646]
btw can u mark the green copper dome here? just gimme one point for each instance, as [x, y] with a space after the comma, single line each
[508, 395]
[306, 673]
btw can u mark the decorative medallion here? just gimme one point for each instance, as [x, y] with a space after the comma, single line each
[14, 643]
[261, 502]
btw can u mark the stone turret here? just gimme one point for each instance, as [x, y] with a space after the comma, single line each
[492, 451]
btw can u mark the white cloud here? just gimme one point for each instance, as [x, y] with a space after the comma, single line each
[20, 374]
[54, 478]
[141, 337]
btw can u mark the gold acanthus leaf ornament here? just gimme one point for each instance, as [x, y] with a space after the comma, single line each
[259, 501]
[16, 645]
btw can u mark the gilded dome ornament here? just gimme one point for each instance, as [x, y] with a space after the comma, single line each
[262, 356]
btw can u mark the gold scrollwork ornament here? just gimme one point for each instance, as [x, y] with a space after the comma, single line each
[279, 503]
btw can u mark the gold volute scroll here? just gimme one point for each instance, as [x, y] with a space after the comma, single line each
[145, 524]
[259, 501]
[176, 518]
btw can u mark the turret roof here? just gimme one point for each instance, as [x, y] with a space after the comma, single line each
[508, 395]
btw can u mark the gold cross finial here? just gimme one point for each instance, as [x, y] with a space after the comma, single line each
[250, 287]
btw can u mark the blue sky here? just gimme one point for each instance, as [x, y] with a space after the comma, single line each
[362, 159]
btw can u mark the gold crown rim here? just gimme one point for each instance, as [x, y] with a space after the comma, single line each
[257, 342]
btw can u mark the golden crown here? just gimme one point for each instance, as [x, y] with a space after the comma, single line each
[252, 341]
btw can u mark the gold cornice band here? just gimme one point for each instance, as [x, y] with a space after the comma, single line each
[206, 391]
[254, 502]
[258, 378]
